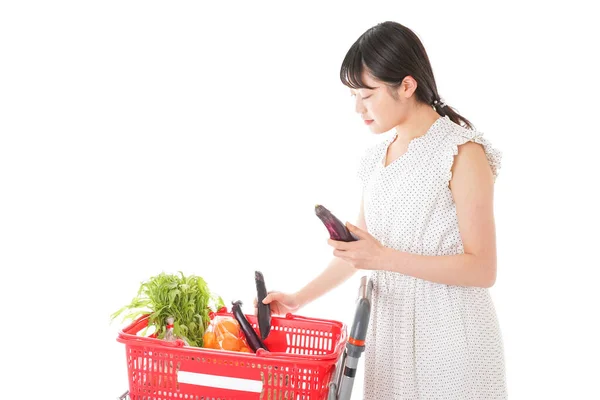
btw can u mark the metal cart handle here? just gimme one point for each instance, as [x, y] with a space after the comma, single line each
[341, 386]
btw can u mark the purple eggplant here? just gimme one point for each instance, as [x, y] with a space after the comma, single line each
[337, 230]
[264, 310]
[251, 337]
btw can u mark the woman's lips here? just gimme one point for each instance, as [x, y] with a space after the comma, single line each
[368, 121]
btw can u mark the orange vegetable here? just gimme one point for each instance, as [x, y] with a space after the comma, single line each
[231, 342]
[210, 340]
[228, 325]
[225, 333]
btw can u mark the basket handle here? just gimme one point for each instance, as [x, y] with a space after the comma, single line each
[129, 334]
[288, 316]
[295, 357]
[308, 319]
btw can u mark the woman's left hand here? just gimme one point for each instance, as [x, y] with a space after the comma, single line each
[365, 253]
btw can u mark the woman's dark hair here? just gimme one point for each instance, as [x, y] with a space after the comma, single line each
[390, 51]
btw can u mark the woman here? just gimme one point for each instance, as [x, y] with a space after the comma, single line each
[426, 232]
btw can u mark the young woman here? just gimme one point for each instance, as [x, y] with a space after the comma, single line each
[426, 232]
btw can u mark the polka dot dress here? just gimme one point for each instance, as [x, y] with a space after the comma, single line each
[426, 340]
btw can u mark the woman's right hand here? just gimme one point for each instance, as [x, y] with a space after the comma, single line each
[281, 303]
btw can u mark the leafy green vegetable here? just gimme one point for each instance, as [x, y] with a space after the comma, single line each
[186, 299]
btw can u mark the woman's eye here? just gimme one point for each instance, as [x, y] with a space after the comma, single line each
[364, 98]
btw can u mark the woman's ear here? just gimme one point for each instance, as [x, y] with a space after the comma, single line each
[408, 87]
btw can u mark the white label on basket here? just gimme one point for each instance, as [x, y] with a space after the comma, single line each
[221, 382]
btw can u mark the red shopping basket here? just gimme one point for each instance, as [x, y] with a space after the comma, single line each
[300, 364]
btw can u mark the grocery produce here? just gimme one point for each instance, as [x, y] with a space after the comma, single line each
[224, 333]
[209, 340]
[252, 338]
[170, 335]
[230, 342]
[337, 230]
[227, 324]
[186, 299]
[264, 310]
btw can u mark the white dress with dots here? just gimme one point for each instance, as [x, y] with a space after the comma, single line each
[426, 340]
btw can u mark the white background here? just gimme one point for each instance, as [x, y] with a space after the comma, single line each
[142, 136]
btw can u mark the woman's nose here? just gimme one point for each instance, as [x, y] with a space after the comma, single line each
[359, 107]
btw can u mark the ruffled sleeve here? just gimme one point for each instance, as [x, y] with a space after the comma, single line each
[461, 136]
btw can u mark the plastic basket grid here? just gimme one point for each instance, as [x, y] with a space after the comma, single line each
[301, 364]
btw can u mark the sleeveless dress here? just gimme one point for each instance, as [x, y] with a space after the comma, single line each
[426, 340]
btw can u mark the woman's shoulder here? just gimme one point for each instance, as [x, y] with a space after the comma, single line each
[455, 135]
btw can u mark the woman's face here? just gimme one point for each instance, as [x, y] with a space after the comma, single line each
[378, 105]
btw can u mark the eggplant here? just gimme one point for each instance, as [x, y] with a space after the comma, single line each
[337, 230]
[264, 310]
[251, 337]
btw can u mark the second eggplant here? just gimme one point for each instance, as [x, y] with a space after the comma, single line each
[251, 337]
[264, 310]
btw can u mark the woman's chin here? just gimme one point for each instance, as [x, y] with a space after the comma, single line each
[376, 129]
